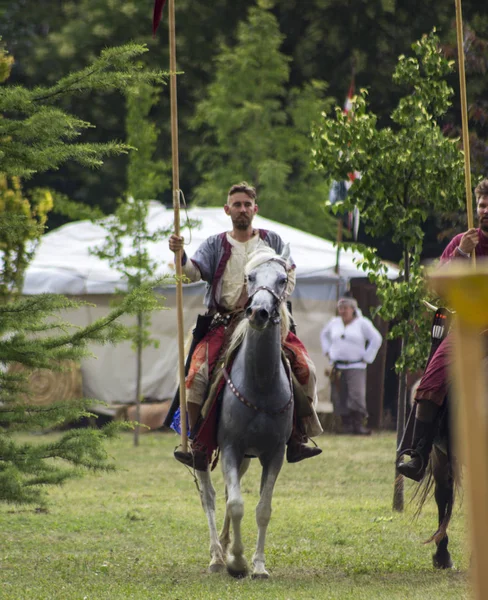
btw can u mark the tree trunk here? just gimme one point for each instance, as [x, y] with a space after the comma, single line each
[402, 394]
[138, 377]
[398, 497]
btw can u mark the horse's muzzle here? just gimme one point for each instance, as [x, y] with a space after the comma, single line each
[258, 317]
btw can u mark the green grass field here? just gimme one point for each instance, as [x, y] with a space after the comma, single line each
[141, 533]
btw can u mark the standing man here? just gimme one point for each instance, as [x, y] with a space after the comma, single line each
[351, 342]
[220, 262]
[433, 387]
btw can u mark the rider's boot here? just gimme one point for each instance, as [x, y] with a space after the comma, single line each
[196, 457]
[297, 450]
[423, 438]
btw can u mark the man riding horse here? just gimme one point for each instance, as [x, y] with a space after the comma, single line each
[220, 262]
[433, 387]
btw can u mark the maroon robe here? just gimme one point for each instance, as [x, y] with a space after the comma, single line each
[434, 383]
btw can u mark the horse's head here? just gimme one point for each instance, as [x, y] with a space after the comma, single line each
[267, 279]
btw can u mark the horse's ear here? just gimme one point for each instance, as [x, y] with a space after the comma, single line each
[285, 255]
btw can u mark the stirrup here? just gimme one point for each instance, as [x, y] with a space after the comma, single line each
[195, 459]
[413, 454]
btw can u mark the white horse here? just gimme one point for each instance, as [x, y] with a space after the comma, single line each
[256, 413]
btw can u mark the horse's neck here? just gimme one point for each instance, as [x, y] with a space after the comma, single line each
[261, 351]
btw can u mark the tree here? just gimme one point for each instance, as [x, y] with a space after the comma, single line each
[410, 170]
[253, 128]
[145, 179]
[36, 135]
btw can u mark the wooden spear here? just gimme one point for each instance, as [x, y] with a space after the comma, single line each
[176, 207]
[464, 118]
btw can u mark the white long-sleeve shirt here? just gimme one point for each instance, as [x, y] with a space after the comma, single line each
[357, 343]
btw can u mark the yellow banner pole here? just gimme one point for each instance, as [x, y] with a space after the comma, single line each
[464, 117]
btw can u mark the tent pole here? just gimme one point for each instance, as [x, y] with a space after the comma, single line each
[176, 208]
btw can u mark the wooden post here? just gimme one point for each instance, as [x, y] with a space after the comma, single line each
[176, 207]
[466, 290]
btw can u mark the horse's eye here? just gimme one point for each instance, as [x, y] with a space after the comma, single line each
[251, 277]
[282, 280]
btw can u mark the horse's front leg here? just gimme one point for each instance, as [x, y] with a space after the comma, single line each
[224, 536]
[207, 496]
[270, 474]
[236, 562]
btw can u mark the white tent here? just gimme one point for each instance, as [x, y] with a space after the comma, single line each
[63, 264]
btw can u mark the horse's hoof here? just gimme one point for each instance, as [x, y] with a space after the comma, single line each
[442, 562]
[216, 568]
[236, 574]
[264, 575]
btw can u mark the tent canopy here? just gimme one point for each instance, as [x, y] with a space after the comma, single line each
[63, 263]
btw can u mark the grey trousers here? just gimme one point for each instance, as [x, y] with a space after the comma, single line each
[349, 393]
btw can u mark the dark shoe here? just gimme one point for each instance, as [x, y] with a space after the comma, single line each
[358, 427]
[423, 438]
[297, 451]
[195, 459]
[347, 427]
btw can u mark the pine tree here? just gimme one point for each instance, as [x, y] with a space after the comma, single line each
[37, 135]
[146, 178]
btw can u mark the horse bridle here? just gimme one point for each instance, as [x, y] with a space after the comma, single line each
[275, 318]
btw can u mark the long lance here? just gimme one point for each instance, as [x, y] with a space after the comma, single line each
[464, 118]
[158, 8]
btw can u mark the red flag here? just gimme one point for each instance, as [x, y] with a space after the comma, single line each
[158, 11]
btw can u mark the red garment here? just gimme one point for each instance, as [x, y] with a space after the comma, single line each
[480, 250]
[206, 436]
[434, 383]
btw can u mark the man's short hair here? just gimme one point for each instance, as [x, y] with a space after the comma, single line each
[244, 188]
[481, 189]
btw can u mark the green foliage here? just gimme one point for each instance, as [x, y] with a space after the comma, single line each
[130, 221]
[36, 135]
[146, 177]
[26, 469]
[21, 225]
[410, 171]
[252, 128]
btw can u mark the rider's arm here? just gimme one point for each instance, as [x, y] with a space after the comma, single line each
[461, 246]
[190, 269]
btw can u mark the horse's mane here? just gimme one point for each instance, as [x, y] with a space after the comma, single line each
[257, 258]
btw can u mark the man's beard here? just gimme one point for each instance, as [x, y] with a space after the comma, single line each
[484, 225]
[241, 223]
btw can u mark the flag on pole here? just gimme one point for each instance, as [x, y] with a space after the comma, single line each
[158, 11]
[339, 189]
